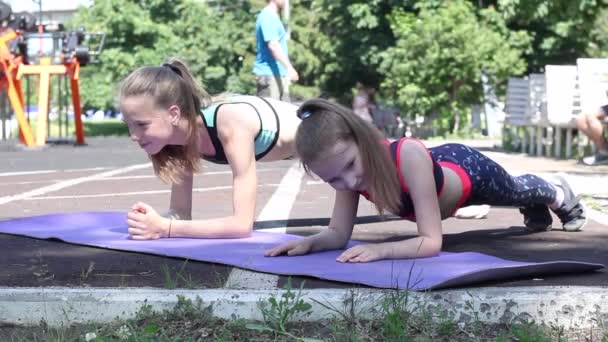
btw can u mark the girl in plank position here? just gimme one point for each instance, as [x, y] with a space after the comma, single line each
[405, 178]
[174, 120]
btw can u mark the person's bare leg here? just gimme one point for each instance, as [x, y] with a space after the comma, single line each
[595, 131]
[592, 126]
[581, 123]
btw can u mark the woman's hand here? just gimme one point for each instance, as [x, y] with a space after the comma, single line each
[291, 248]
[146, 224]
[363, 253]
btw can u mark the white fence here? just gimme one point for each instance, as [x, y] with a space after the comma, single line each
[541, 107]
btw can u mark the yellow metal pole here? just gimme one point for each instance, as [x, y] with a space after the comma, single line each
[44, 70]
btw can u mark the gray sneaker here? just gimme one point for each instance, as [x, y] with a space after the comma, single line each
[572, 212]
[597, 159]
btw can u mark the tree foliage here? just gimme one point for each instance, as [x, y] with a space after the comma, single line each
[140, 33]
[425, 55]
[440, 54]
[561, 30]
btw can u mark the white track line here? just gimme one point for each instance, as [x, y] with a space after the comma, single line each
[111, 179]
[24, 173]
[68, 183]
[212, 173]
[41, 172]
[278, 208]
[50, 181]
[135, 193]
[86, 169]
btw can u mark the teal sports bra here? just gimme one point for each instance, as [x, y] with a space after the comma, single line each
[265, 139]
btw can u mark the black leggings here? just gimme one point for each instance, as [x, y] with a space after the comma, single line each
[491, 183]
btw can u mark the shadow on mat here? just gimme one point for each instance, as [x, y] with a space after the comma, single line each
[311, 222]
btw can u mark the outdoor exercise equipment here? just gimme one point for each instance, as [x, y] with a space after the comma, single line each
[58, 58]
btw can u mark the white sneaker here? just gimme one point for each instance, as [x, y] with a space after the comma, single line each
[473, 212]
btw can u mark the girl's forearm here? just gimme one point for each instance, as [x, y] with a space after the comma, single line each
[329, 239]
[418, 247]
[229, 227]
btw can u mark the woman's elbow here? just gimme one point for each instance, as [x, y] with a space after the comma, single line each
[242, 229]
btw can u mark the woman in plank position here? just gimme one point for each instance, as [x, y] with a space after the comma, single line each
[177, 123]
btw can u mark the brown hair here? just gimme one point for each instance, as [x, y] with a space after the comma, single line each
[171, 84]
[324, 123]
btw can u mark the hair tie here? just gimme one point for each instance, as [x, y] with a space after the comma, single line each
[303, 115]
[173, 68]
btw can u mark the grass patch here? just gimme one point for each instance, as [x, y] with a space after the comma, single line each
[179, 278]
[98, 128]
[107, 127]
[279, 312]
[596, 202]
[400, 320]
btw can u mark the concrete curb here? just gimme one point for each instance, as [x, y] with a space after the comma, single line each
[569, 307]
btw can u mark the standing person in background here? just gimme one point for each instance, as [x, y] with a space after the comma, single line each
[272, 69]
[385, 118]
[363, 102]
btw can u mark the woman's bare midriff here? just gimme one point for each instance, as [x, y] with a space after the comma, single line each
[289, 122]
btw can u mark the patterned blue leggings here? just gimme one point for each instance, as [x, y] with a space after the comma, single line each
[490, 183]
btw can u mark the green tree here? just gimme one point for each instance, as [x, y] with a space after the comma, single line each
[309, 48]
[135, 35]
[215, 38]
[218, 41]
[436, 65]
[357, 32]
[561, 29]
[335, 43]
[598, 46]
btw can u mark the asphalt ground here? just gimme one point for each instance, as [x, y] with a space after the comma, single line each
[110, 174]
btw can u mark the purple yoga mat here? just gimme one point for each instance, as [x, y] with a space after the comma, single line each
[109, 230]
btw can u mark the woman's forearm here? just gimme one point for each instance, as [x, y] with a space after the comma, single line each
[177, 215]
[229, 227]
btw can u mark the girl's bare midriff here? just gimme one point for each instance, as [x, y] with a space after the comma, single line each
[452, 191]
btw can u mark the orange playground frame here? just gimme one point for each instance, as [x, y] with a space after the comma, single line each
[13, 68]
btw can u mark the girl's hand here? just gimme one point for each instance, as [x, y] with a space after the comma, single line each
[145, 223]
[291, 248]
[363, 253]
